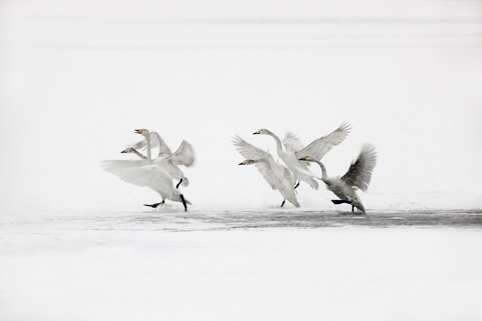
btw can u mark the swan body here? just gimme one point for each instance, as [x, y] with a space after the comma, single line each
[299, 171]
[358, 176]
[184, 155]
[275, 174]
[146, 173]
[293, 150]
[166, 164]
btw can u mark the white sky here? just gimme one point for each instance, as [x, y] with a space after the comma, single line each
[77, 77]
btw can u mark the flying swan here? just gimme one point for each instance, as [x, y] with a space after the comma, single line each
[146, 173]
[317, 149]
[275, 174]
[358, 176]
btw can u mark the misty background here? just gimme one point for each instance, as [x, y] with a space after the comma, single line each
[77, 77]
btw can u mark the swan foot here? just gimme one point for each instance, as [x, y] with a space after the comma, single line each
[177, 186]
[154, 205]
[283, 203]
[297, 185]
[338, 202]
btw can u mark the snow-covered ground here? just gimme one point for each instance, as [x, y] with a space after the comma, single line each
[171, 265]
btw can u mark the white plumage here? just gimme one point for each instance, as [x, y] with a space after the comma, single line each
[184, 155]
[275, 174]
[292, 151]
[146, 173]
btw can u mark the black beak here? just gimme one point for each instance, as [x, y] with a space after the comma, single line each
[124, 151]
[256, 133]
[241, 164]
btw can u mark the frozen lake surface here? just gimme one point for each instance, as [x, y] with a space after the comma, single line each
[247, 265]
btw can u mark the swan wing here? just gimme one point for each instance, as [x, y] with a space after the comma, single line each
[266, 164]
[152, 176]
[249, 151]
[319, 147]
[184, 155]
[276, 175]
[169, 167]
[360, 172]
[117, 166]
[164, 150]
[292, 142]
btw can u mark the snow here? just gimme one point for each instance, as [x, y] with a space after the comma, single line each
[122, 265]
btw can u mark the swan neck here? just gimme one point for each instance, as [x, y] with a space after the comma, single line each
[138, 154]
[148, 139]
[324, 174]
[279, 146]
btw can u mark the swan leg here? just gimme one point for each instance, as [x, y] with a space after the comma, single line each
[183, 202]
[352, 208]
[298, 184]
[154, 205]
[283, 203]
[177, 186]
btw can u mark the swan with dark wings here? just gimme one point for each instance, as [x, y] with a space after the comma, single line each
[358, 176]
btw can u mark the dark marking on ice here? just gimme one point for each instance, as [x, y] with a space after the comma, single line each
[177, 220]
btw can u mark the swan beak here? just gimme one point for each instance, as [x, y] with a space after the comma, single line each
[256, 133]
[139, 131]
[124, 151]
[303, 158]
[242, 163]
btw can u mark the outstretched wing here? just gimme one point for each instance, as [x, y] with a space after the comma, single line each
[156, 141]
[319, 147]
[152, 176]
[264, 159]
[249, 151]
[292, 142]
[117, 166]
[360, 172]
[184, 155]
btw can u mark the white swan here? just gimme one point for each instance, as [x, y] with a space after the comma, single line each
[146, 172]
[358, 176]
[317, 149]
[277, 175]
[184, 155]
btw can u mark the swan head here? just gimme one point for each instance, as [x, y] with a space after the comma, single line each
[143, 132]
[247, 162]
[262, 131]
[307, 159]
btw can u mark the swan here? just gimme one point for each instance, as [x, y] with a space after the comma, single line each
[146, 172]
[317, 149]
[166, 164]
[358, 176]
[184, 155]
[275, 174]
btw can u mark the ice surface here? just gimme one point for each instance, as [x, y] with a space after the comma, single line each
[172, 265]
